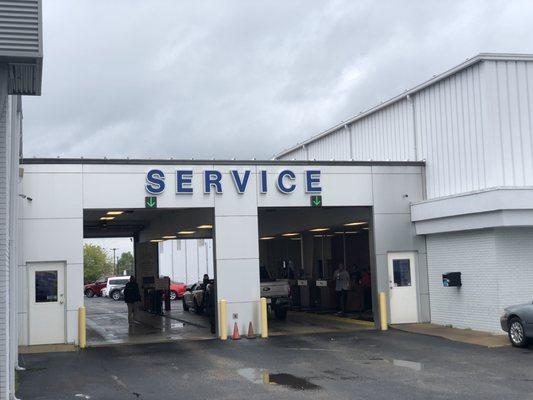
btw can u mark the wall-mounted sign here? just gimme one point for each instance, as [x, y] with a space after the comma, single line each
[321, 283]
[302, 282]
[316, 201]
[150, 202]
[285, 181]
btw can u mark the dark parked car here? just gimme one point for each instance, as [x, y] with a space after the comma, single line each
[517, 321]
[95, 288]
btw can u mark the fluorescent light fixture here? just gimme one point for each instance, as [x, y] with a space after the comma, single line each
[107, 218]
[356, 223]
[319, 230]
[351, 232]
[296, 238]
[169, 237]
[156, 240]
[290, 234]
[115, 212]
[186, 232]
[318, 236]
[365, 229]
[206, 226]
[267, 238]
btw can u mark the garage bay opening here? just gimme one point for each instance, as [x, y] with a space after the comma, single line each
[169, 255]
[316, 269]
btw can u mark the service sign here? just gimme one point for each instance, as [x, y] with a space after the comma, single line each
[285, 181]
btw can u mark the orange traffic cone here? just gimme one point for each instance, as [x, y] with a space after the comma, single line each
[251, 334]
[235, 335]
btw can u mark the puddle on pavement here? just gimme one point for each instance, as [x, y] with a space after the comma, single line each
[259, 376]
[415, 366]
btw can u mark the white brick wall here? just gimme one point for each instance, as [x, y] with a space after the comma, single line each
[497, 271]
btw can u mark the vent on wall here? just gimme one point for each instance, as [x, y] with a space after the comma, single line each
[23, 79]
[20, 28]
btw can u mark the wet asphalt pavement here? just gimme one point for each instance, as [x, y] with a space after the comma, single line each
[360, 365]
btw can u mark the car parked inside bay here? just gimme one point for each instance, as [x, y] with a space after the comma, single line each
[177, 290]
[195, 296]
[517, 321]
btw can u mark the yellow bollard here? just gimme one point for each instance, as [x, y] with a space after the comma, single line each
[264, 319]
[82, 338]
[223, 320]
[383, 320]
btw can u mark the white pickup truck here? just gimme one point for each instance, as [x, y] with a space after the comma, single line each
[277, 292]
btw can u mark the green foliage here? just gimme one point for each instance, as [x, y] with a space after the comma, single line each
[96, 263]
[125, 262]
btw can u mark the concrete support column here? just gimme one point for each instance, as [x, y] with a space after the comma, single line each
[237, 256]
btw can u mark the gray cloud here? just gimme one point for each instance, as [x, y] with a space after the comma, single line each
[241, 78]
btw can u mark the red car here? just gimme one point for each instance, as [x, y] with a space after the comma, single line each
[95, 288]
[176, 290]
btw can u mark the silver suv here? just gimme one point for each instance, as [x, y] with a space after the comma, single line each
[115, 287]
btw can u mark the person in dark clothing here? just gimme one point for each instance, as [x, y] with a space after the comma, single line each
[210, 305]
[132, 296]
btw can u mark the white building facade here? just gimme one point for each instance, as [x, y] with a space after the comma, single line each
[236, 202]
[473, 128]
[20, 75]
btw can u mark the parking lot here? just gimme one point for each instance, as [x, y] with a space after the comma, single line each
[107, 323]
[356, 365]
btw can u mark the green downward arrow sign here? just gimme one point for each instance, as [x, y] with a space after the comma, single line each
[316, 201]
[150, 202]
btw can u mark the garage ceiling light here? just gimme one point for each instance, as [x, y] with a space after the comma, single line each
[319, 230]
[186, 232]
[356, 223]
[267, 238]
[115, 212]
[156, 240]
[206, 226]
[290, 234]
[106, 218]
[169, 237]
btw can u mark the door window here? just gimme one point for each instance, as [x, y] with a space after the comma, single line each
[402, 272]
[45, 286]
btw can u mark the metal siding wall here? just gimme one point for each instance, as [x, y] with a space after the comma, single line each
[299, 154]
[473, 129]
[449, 124]
[385, 135]
[511, 95]
[20, 28]
[335, 146]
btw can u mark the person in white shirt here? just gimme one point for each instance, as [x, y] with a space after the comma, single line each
[342, 284]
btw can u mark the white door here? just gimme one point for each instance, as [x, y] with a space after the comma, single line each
[46, 303]
[402, 284]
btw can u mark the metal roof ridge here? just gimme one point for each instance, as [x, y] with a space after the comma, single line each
[443, 75]
[166, 161]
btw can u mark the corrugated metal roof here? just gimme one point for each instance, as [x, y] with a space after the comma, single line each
[437, 78]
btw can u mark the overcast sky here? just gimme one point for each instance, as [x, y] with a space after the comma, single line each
[243, 78]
